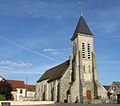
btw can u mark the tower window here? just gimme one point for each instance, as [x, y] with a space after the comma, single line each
[88, 47]
[83, 50]
[89, 68]
[83, 68]
[74, 48]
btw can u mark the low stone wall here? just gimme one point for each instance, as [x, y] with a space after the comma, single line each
[28, 99]
[19, 103]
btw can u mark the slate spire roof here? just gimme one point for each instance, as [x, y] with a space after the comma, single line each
[82, 28]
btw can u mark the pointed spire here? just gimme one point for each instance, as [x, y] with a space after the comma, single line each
[82, 28]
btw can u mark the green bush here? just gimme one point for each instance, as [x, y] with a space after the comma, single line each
[2, 97]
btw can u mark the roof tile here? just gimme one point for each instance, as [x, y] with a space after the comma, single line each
[55, 72]
[30, 87]
[16, 83]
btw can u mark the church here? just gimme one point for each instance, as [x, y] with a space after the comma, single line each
[75, 80]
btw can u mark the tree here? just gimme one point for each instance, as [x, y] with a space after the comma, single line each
[5, 89]
[2, 97]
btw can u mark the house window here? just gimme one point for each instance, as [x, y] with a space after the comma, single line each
[88, 51]
[113, 88]
[83, 50]
[21, 91]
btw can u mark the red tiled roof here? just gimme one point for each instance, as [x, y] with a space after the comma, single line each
[30, 87]
[17, 83]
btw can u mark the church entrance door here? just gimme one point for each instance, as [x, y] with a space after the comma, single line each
[88, 95]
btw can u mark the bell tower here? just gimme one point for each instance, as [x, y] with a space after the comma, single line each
[83, 61]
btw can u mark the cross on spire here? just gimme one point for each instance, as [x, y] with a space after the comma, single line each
[80, 3]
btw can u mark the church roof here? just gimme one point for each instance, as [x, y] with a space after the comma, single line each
[82, 28]
[55, 72]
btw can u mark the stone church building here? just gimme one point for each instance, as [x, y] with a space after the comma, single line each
[75, 80]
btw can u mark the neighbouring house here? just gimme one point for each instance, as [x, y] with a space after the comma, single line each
[19, 89]
[30, 90]
[5, 90]
[75, 80]
[114, 92]
[106, 87]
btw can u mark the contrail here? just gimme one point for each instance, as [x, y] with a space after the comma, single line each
[27, 49]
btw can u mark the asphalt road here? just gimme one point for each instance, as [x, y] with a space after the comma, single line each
[78, 104]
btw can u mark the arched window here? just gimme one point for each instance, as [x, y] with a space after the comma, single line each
[52, 91]
[83, 50]
[73, 74]
[74, 48]
[88, 51]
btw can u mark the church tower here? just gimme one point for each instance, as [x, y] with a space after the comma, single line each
[75, 80]
[83, 60]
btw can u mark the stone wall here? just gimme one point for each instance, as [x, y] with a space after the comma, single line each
[40, 89]
[64, 85]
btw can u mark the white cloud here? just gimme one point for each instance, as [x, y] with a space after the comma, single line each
[25, 72]
[15, 64]
[52, 51]
[5, 68]
[106, 22]
[36, 9]
[68, 50]
[25, 48]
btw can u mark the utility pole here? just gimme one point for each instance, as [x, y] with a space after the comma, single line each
[26, 86]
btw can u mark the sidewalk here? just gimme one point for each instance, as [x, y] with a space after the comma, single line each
[28, 103]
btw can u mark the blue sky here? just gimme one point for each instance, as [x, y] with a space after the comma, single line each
[35, 35]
